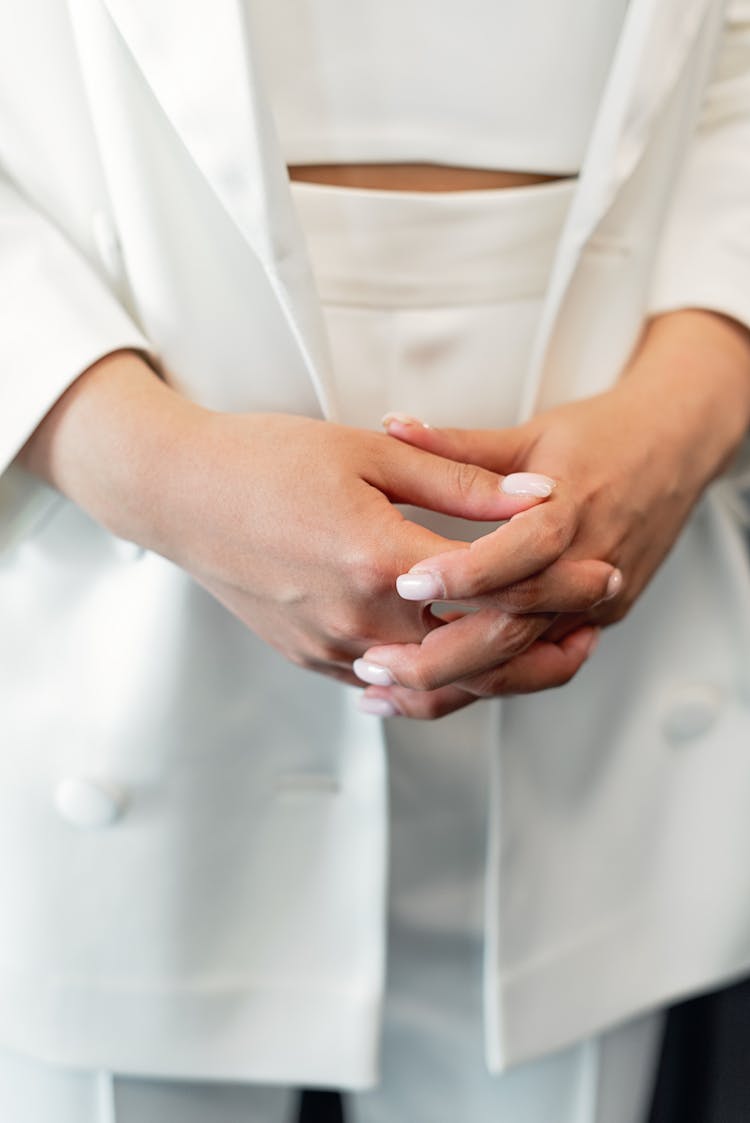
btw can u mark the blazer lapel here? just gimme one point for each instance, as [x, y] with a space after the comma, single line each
[202, 69]
[199, 62]
[658, 38]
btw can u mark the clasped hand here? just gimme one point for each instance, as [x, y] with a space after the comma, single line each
[630, 465]
[292, 523]
[306, 547]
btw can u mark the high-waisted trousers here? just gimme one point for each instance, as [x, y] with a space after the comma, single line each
[431, 302]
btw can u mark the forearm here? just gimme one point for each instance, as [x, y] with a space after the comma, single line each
[689, 382]
[109, 445]
[631, 463]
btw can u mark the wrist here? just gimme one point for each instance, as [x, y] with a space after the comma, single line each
[691, 378]
[108, 443]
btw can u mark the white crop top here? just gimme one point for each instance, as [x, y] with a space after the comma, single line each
[505, 84]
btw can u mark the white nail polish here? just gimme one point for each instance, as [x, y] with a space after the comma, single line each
[420, 586]
[613, 585]
[378, 707]
[372, 673]
[528, 483]
[402, 419]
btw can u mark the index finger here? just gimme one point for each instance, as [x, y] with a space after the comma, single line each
[528, 543]
[473, 645]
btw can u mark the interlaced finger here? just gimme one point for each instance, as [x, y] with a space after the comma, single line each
[473, 645]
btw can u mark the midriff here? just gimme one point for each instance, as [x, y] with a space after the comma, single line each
[415, 177]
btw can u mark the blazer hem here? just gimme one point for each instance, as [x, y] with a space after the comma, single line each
[641, 963]
[300, 1035]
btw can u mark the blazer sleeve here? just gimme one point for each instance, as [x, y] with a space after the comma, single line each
[704, 257]
[57, 317]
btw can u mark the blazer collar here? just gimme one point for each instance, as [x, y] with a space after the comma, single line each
[199, 62]
[657, 39]
[202, 68]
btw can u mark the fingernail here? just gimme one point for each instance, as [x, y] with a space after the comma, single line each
[378, 707]
[402, 419]
[372, 673]
[420, 586]
[613, 585]
[528, 483]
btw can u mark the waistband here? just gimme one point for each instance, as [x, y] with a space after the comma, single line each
[419, 249]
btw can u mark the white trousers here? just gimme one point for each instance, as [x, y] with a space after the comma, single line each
[431, 303]
[607, 1080]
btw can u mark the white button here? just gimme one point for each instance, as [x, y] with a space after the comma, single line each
[107, 243]
[691, 711]
[88, 803]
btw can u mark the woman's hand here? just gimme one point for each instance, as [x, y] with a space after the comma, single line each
[289, 522]
[630, 466]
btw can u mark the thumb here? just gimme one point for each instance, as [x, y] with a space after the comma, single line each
[456, 486]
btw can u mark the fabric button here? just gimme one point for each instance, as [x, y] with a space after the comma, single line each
[88, 803]
[107, 243]
[691, 711]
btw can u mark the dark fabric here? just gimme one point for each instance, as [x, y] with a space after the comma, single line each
[704, 1074]
[321, 1107]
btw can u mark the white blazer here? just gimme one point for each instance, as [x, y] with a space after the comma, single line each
[192, 832]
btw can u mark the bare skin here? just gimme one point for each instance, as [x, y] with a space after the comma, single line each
[414, 177]
[631, 464]
[255, 531]
[685, 404]
[288, 521]
[308, 558]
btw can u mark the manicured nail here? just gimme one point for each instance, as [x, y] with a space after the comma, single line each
[378, 707]
[420, 586]
[613, 585]
[528, 483]
[372, 673]
[402, 419]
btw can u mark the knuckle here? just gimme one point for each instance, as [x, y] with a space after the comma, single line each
[332, 653]
[521, 597]
[365, 574]
[339, 629]
[320, 652]
[420, 677]
[556, 537]
[515, 633]
[464, 477]
[490, 684]
[346, 629]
